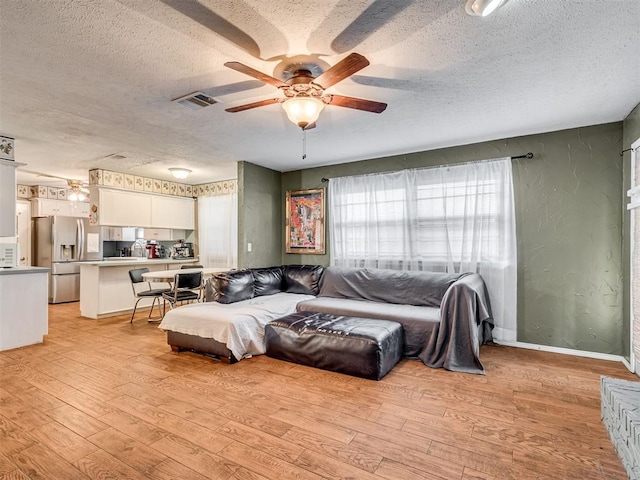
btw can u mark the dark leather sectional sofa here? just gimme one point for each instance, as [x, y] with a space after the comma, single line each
[445, 317]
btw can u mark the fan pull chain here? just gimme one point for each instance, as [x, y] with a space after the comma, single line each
[304, 144]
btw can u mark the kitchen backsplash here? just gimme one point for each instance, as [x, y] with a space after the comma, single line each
[124, 181]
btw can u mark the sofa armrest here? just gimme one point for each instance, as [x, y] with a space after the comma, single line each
[465, 324]
[473, 289]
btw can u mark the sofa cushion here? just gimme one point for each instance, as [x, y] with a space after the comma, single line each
[267, 281]
[231, 287]
[390, 286]
[355, 346]
[304, 279]
[418, 322]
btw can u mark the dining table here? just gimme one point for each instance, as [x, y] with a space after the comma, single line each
[169, 275]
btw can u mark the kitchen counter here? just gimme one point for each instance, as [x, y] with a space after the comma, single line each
[24, 293]
[22, 270]
[105, 286]
[128, 261]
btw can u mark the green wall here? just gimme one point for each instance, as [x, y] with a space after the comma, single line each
[569, 229]
[259, 216]
[630, 133]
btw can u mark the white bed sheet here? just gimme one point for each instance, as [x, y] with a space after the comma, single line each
[240, 325]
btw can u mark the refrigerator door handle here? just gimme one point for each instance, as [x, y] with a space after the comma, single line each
[80, 231]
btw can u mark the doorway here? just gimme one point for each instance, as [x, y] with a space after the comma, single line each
[23, 229]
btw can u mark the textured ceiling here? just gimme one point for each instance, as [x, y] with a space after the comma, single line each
[81, 80]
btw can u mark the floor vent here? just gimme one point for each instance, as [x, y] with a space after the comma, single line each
[195, 100]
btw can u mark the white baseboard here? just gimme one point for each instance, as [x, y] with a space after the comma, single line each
[568, 351]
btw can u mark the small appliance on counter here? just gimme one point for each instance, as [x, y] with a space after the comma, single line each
[154, 250]
[182, 250]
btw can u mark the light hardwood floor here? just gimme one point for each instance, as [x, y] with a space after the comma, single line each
[104, 399]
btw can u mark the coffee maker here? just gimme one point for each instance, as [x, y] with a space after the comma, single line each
[182, 250]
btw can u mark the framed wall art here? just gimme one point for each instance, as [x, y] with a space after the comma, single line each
[305, 221]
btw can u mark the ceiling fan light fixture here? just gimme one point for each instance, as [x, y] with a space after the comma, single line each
[76, 196]
[483, 8]
[76, 191]
[180, 173]
[303, 110]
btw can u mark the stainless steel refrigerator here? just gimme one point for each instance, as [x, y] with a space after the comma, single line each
[61, 243]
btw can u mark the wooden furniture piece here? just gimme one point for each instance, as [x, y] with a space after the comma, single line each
[135, 275]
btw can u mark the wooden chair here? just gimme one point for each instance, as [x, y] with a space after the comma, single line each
[155, 293]
[184, 285]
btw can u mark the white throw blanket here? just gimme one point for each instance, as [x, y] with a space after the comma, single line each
[240, 325]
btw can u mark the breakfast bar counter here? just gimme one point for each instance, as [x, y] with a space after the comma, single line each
[105, 287]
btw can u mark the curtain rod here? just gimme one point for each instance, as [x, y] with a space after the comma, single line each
[527, 155]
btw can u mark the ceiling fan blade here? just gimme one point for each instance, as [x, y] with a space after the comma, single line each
[248, 106]
[341, 70]
[263, 77]
[357, 103]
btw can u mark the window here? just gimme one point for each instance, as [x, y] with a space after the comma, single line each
[452, 219]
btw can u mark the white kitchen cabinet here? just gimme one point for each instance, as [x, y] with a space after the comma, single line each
[172, 212]
[122, 208]
[8, 198]
[158, 234]
[164, 234]
[80, 209]
[47, 207]
[120, 234]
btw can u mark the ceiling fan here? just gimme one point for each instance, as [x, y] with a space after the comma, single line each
[304, 93]
[77, 192]
[77, 188]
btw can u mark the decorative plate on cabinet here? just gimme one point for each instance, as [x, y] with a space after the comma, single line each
[139, 183]
[148, 184]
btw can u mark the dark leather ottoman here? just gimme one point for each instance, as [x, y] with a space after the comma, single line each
[362, 347]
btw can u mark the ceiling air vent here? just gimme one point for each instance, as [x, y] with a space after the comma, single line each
[195, 100]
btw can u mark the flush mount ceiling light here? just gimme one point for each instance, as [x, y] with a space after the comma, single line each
[482, 8]
[180, 173]
[303, 110]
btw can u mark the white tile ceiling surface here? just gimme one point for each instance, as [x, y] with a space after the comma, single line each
[81, 80]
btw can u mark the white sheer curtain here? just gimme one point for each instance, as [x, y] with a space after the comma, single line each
[455, 219]
[218, 230]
